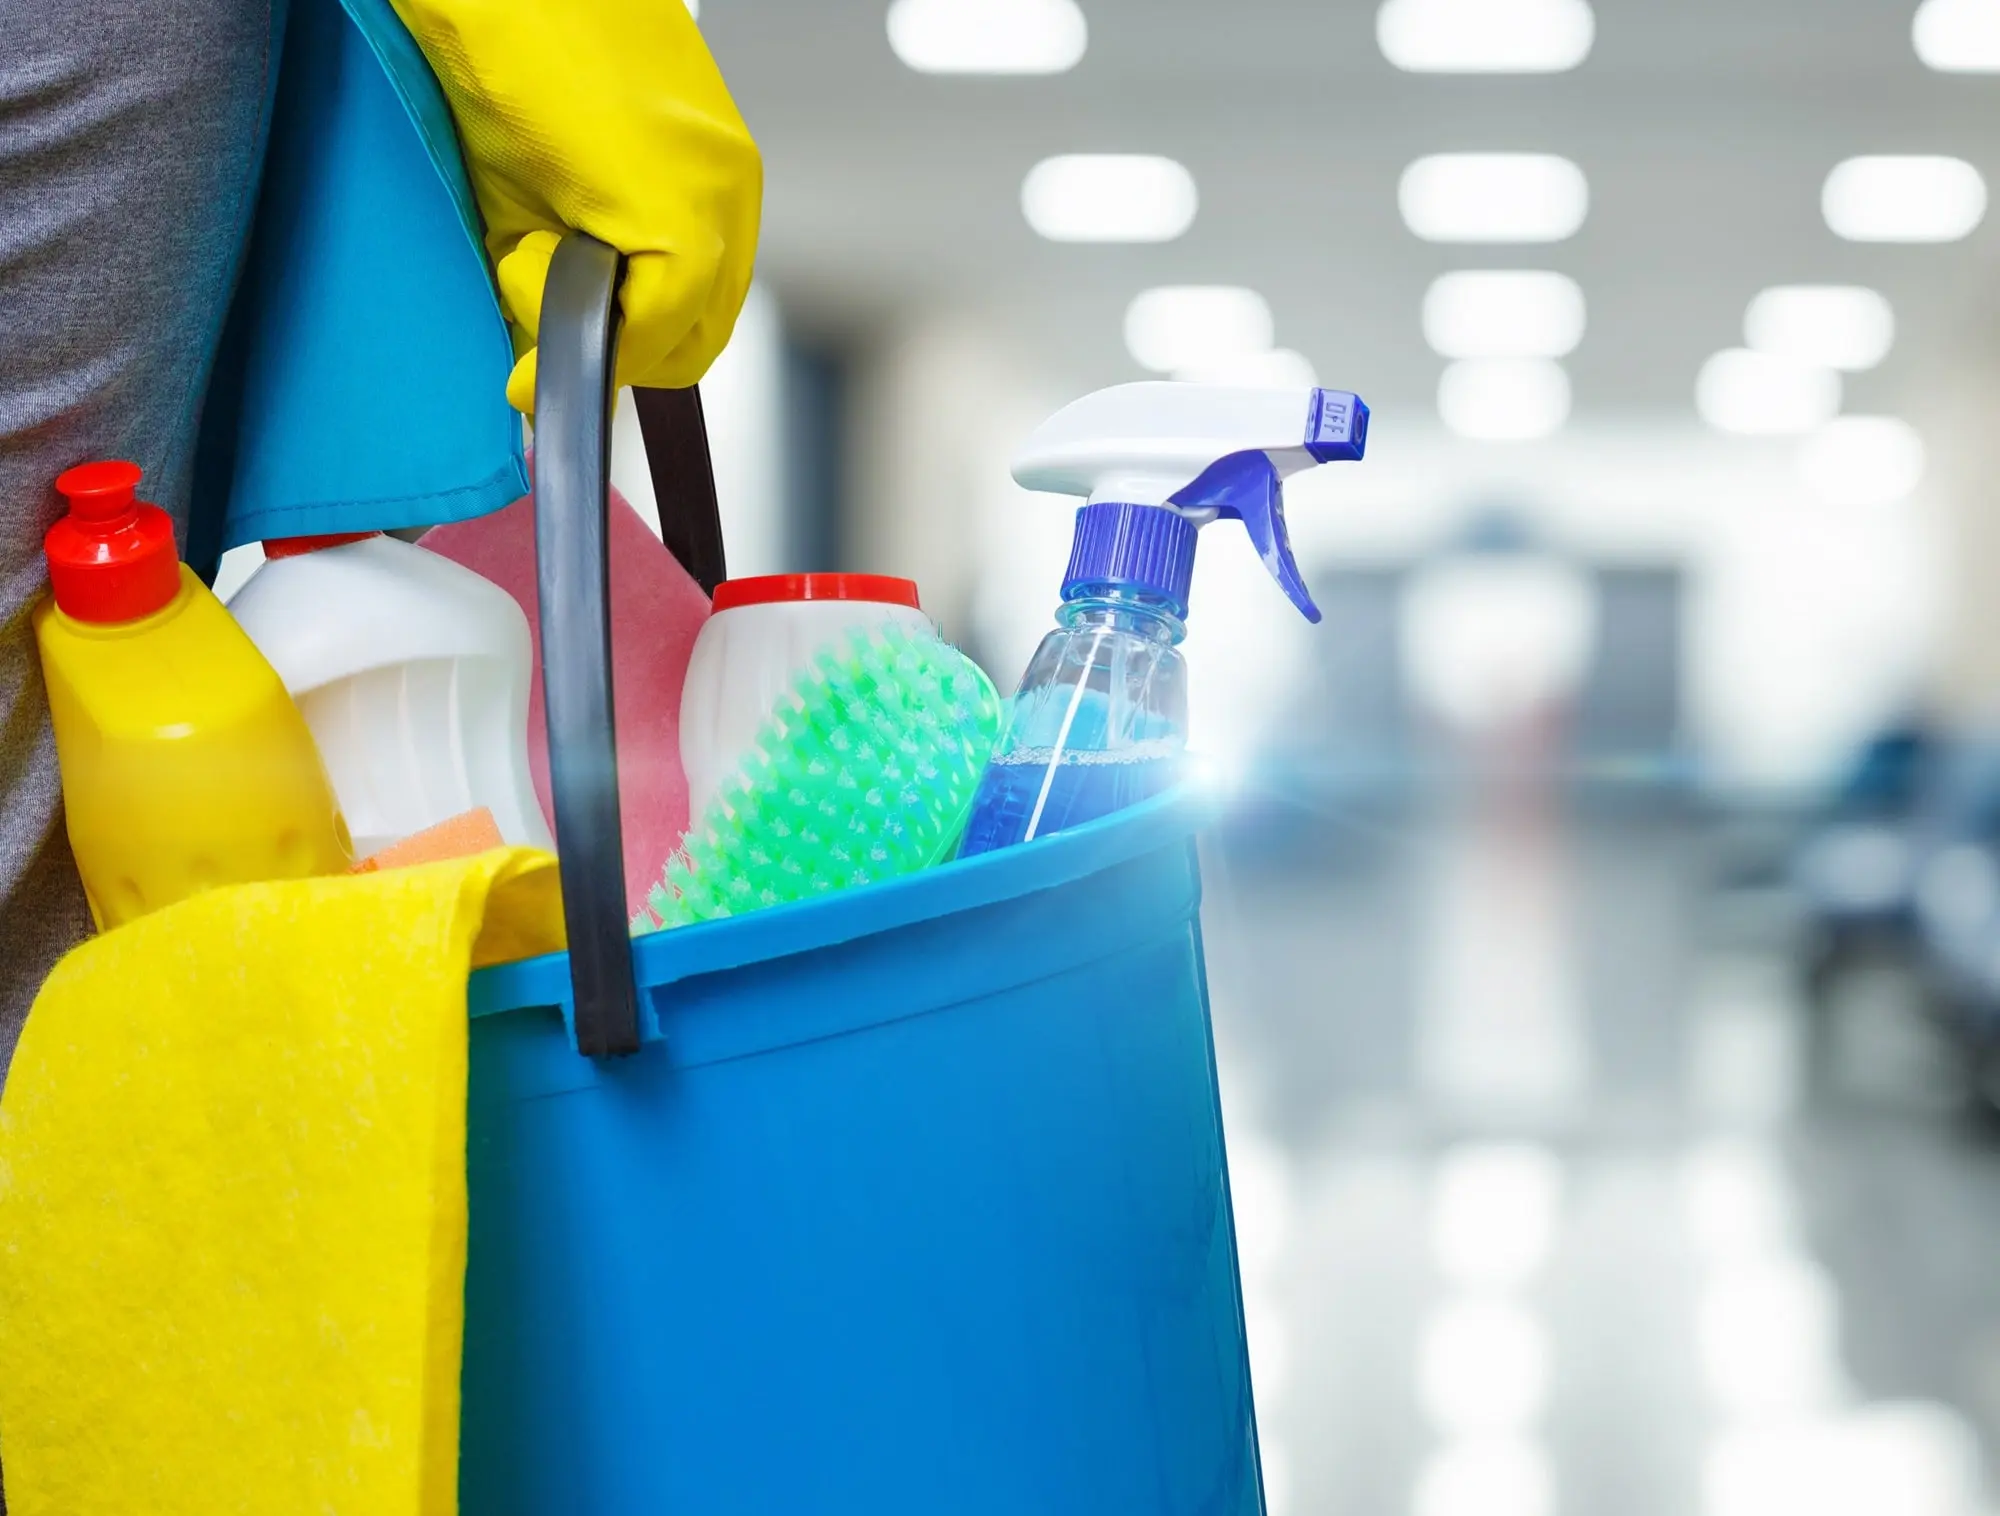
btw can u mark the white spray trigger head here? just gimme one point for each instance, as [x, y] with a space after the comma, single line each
[1202, 450]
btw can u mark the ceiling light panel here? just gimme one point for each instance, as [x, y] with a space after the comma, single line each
[1958, 36]
[1763, 395]
[988, 36]
[1277, 368]
[1109, 197]
[1181, 328]
[1903, 199]
[1495, 1207]
[1504, 399]
[1863, 460]
[1493, 197]
[1485, 36]
[1503, 313]
[1487, 1476]
[1483, 1366]
[1841, 326]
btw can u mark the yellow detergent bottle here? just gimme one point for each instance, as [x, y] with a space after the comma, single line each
[185, 764]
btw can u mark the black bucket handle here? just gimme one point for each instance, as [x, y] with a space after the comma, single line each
[576, 351]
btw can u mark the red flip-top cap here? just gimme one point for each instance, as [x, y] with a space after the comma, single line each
[766, 589]
[112, 557]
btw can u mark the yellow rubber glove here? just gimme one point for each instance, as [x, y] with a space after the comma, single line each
[608, 117]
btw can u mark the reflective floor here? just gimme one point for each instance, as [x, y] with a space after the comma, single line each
[1555, 1200]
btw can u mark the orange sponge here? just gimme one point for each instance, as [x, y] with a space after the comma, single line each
[459, 836]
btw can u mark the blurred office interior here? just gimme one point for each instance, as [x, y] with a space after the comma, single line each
[1604, 921]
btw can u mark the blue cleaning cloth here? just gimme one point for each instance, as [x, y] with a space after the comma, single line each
[362, 379]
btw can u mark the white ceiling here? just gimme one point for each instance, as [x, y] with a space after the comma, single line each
[1705, 127]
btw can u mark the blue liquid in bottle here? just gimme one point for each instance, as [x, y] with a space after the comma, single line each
[1099, 723]
[1025, 795]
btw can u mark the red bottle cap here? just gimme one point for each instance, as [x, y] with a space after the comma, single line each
[293, 547]
[766, 589]
[112, 558]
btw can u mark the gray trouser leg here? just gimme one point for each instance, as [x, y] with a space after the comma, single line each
[129, 134]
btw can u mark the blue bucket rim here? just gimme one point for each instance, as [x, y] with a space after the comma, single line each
[667, 957]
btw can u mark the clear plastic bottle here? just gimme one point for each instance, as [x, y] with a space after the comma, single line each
[1100, 721]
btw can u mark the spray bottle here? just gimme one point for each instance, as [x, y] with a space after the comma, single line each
[1100, 719]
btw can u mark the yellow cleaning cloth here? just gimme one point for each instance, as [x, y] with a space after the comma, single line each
[232, 1199]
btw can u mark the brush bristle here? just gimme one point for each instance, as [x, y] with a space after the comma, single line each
[866, 770]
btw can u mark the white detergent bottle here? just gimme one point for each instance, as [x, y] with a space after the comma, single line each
[760, 634]
[412, 672]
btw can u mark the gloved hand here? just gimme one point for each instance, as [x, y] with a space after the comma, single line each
[607, 117]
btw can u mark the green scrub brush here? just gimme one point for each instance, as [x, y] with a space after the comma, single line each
[866, 770]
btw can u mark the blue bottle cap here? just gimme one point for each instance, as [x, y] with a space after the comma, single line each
[1132, 547]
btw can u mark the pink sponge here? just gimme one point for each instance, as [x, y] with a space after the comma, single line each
[656, 611]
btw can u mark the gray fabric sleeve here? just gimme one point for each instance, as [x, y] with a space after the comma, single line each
[130, 134]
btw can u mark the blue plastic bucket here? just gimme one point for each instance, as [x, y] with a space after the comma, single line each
[908, 1201]
[913, 1201]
